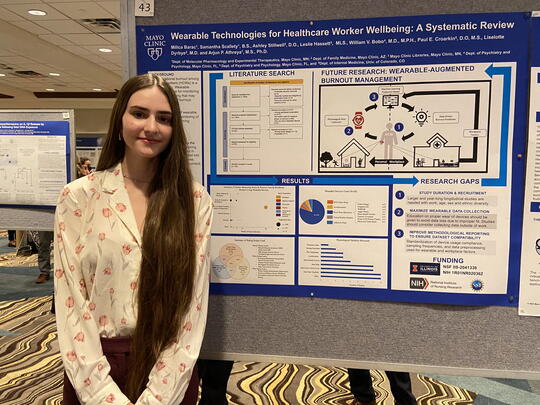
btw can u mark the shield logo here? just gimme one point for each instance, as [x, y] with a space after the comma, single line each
[155, 53]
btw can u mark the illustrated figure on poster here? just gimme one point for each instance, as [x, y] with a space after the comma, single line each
[388, 139]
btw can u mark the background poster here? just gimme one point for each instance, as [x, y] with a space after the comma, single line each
[529, 303]
[34, 158]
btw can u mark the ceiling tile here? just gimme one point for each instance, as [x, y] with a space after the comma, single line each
[5, 52]
[57, 39]
[22, 10]
[65, 1]
[112, 7]
[18, 61]
[64, 27]
[95, 49]
[116, 59]
[86, 39]
[95, 59]
[79, 10]
[7, 15]
[22, 1]
[31, 27]
[112, 38]
[77, 50]
[62, 30]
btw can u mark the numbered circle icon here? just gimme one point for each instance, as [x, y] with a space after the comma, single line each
[399, 126]
[398, 212]
[374, 96]
[348, 131]
[400, 195]
[399, 233]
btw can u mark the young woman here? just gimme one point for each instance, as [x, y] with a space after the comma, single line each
[131, 259]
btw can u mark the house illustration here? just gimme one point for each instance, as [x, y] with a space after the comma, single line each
[437, 153]
[353, 155]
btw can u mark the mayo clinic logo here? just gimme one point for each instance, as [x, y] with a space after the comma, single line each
[154, 45]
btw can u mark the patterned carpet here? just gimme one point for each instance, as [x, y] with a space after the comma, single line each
[31, 370]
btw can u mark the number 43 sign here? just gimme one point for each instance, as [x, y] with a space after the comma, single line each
[144, 8]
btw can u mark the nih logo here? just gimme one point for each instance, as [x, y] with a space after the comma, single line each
[418, 283]
[428, 269]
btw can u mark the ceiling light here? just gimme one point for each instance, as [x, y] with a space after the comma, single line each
[105, 50]
[37, 12]
[2, 74]
[54, 74]
[96, 89]
[50, 89]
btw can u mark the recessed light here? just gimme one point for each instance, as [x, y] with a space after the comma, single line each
[105, 50]
[37, 12]
[96, 89]
[54, 74]
[50, 89]
[2, 74]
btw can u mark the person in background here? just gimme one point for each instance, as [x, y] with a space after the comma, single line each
[12, 238]
[214, 376]
[44, 256]
[132, 258]
[83, 167]
[362, 387]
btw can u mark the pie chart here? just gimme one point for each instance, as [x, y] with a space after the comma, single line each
[312, 212]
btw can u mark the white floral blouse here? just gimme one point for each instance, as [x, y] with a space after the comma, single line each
[97, 258]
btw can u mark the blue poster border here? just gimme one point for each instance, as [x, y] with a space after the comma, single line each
[150, 38]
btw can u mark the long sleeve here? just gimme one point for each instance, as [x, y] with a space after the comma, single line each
[78, 334]
[169, 378]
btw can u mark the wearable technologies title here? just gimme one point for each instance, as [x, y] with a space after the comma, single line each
[340, 31]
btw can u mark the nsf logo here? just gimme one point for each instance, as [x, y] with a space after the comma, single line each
[477, 285]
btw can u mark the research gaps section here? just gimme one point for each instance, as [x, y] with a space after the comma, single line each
[449, 236]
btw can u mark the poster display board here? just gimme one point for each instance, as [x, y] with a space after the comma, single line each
[35, 163]
[366, 159]
[529, 303]
[34, 160]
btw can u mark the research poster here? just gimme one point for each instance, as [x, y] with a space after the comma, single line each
[34, 162]
[529, 302]
[367, 158]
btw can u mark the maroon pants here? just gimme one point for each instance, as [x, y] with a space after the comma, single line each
[116, 350]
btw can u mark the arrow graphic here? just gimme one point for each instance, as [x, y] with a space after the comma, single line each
[407, 106]
[368, 135]
[405, 137]
[371, 107]
[403, 161]
[365, 180]
[506, 73]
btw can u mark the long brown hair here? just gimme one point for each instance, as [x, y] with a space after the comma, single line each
[165, 284]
